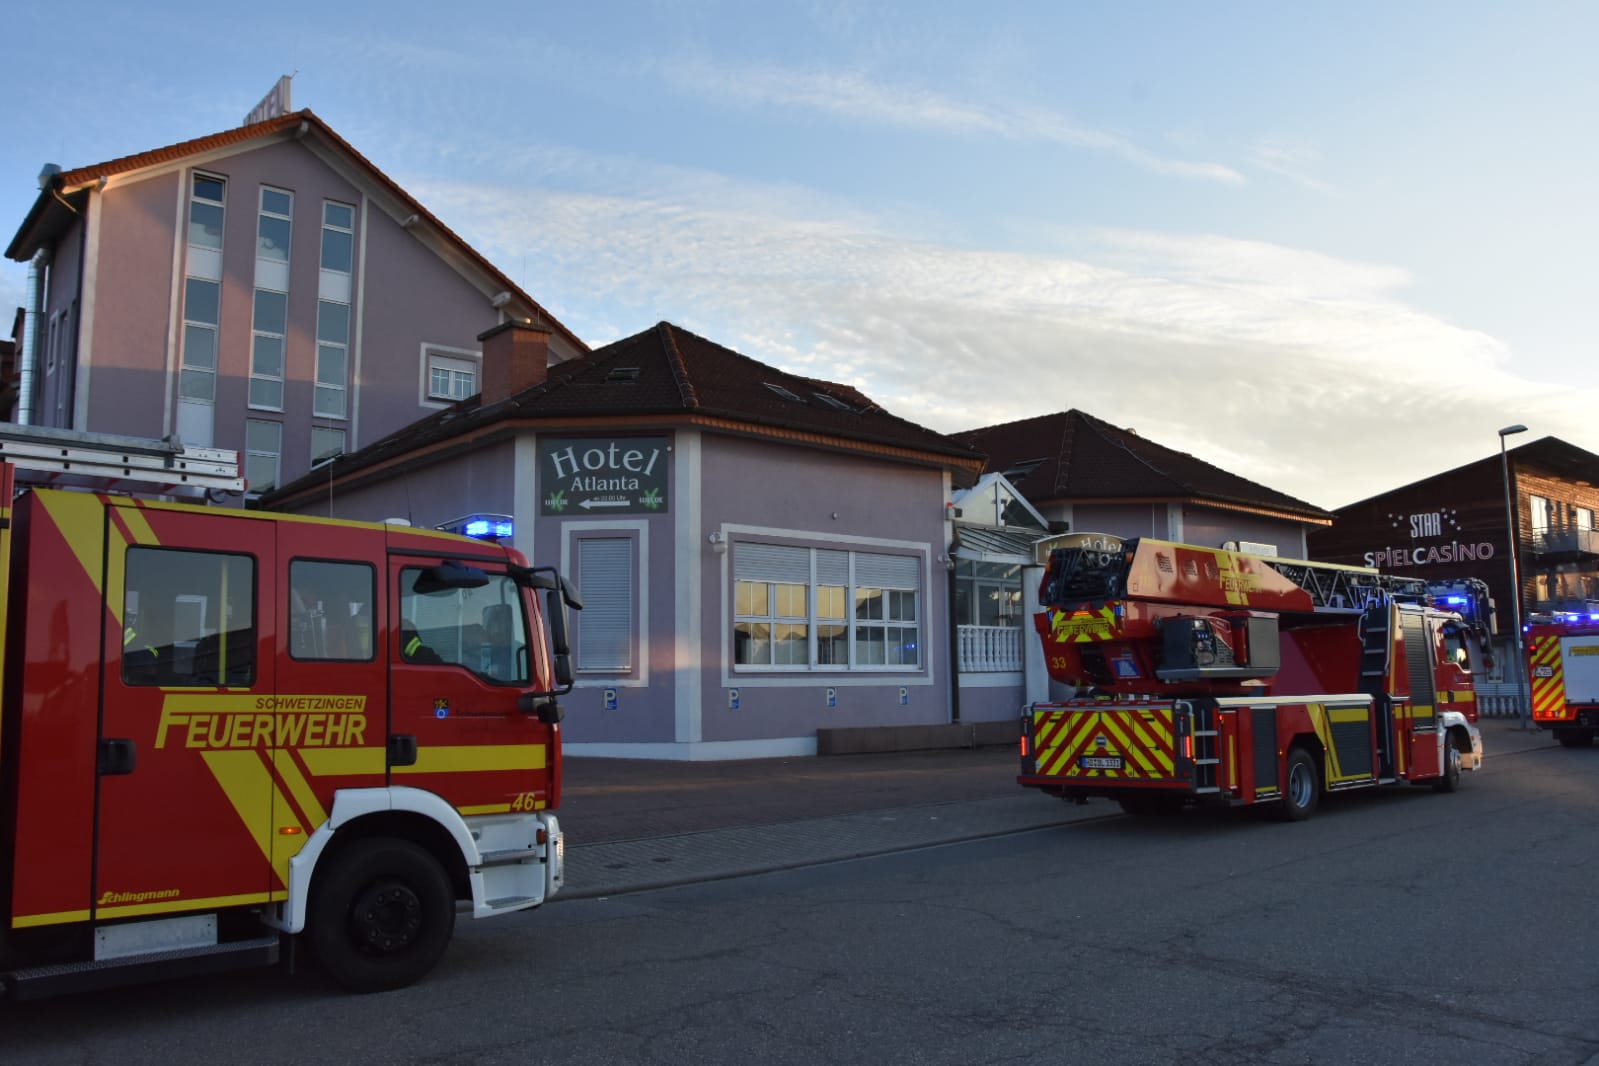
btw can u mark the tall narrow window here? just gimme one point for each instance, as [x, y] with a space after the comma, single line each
[202, 290]
[201, 316]
[274, 226]
[266, 350]
[1540, 511]
[207, 197]
[332, 357]
[338, 237]
[263, 450]
[605, 634]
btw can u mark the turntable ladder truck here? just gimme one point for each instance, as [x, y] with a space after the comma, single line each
[1209, 676]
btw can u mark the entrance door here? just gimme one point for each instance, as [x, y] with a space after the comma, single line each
[185, 784]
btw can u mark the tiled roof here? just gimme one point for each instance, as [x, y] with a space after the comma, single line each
[27, 239]
[667, 373]
[1077, 457]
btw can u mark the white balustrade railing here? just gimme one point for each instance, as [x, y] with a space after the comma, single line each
[990, 649]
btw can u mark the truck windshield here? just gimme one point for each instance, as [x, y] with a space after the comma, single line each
[483, 629]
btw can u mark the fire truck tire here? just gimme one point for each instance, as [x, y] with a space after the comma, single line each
[1449, 780]
[1302, 791]
[381, 914]
[1574, 738]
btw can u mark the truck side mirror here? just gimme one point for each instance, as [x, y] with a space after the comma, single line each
[560, 640]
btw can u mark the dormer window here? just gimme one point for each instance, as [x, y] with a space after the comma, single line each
[622, 373]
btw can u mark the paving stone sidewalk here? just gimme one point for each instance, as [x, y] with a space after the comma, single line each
[639, 824]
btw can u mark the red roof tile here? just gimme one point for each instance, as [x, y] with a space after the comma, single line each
[1077, 457]
[667, 372]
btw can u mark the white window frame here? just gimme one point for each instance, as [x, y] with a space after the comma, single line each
[639, 531]
[319, 388]
[215, 330]
[786, 569]
[432, 353]
[259, 453]
[195, 177]
[262, 212]
[328, 227]
[613, 622]
[283, 343]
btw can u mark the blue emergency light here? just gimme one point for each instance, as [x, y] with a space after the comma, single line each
[482, 526]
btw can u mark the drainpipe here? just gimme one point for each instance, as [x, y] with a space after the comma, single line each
[32, 335]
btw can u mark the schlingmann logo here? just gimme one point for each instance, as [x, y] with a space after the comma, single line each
[138, 897]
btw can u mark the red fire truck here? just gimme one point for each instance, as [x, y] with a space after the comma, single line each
[223, 729]
[1563, 663]
[1210, 676]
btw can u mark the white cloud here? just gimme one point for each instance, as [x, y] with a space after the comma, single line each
[1327, 386]
[858, 98]
[1293, 162]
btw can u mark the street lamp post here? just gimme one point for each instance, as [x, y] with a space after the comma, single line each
[1522, 696]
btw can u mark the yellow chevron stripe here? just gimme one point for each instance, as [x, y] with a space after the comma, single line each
[138, 525]
[299, 788]
[251, 790]
[79, 519]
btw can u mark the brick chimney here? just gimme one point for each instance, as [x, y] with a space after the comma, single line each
[516, 356]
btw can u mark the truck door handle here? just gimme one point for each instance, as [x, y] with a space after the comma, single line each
[116, 757]
[402, 749]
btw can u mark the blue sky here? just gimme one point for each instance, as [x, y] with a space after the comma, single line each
[1332, 247]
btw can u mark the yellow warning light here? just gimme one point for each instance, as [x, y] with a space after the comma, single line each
[290, 830]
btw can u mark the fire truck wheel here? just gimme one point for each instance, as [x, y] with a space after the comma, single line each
[1303, 791]
[1449, 781]
[1574, 738]
[381, 914]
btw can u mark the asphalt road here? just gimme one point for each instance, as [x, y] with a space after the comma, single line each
[1402, 927]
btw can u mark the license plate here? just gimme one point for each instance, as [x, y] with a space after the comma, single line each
[1100, 762]
[1543, 671]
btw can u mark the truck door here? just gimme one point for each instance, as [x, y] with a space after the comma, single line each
[458, 646]
[1421, 659]
[185, 779]
[332, 683]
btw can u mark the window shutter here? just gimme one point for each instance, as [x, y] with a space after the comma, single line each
[832, 568]
[771, 562]
[886, 571]
[605, 624]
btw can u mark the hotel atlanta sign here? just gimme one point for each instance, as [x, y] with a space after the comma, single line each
[602, 475]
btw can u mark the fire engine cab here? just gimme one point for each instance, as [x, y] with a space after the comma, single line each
[1563, 665]
[225, 731]
[1209, 676]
